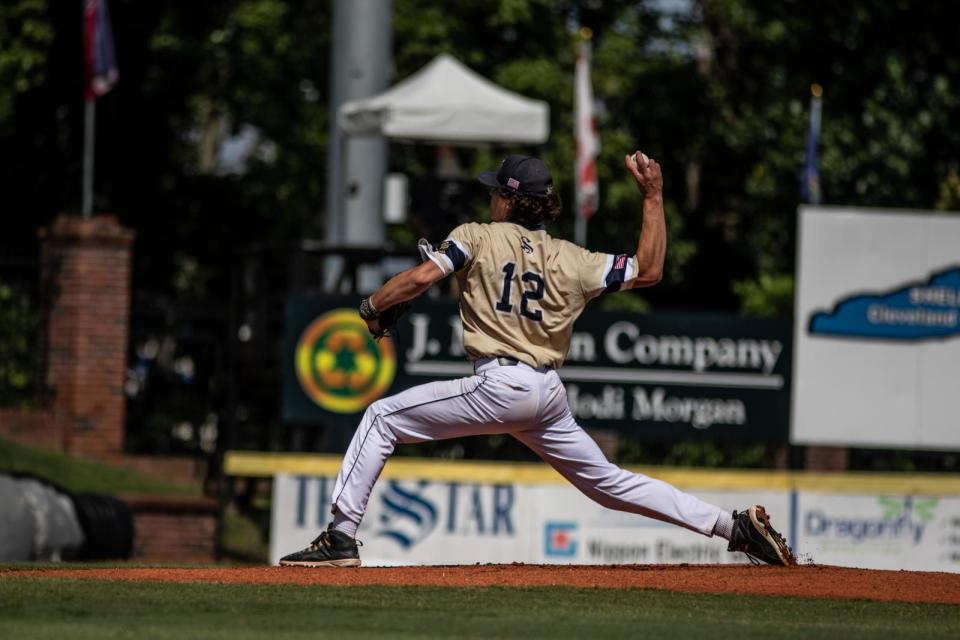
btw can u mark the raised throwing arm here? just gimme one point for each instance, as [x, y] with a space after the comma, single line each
[652, 245]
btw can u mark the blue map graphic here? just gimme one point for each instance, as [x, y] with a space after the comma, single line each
[920, 310]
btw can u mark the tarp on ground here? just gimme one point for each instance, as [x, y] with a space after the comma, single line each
[39, 521]
[16, 534]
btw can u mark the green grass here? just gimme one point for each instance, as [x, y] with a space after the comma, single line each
[79, 609]
[81, 476]
[242, 539]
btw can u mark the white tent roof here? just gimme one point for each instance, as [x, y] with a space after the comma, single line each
[447, 102]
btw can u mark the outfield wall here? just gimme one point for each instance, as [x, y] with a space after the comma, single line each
[440, 512]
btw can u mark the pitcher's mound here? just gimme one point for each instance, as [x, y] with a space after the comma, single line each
[804, 581]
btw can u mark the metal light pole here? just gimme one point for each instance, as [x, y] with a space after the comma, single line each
[360, 67]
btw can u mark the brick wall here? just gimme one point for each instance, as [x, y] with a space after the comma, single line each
[822, 458]
[186, 470]
[35, 427]
[173, 529]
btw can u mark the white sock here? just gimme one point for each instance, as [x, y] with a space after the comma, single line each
[343, 525]
[724, 526]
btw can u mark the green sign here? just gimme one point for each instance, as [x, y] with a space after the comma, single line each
[658, 376]
[333, 368]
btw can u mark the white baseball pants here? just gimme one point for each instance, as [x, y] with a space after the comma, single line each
[530, 405]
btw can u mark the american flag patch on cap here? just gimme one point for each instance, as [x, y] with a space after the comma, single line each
[513, 183]
[620, 262]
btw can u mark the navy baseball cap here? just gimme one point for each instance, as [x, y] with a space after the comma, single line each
[520, 174]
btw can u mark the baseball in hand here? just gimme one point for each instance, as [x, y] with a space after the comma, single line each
[641, 159]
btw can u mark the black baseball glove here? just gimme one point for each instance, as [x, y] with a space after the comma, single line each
[388, 319]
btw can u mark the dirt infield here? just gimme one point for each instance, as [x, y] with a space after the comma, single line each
[804, 581]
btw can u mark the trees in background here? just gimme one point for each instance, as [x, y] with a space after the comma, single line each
[890, 139]
[215, 136]
[218, 127]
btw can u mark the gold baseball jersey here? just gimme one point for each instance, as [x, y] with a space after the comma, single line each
[521, 290]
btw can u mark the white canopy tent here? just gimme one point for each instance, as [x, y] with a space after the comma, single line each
[449, 103]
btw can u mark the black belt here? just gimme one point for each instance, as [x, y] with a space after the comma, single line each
[507, 361]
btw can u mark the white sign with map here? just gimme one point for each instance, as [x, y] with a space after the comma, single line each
[877, 329]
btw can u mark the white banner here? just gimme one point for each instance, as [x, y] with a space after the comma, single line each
[411, 522]
[572, 529]
[422, 522]
[877, 329]
[879, 532]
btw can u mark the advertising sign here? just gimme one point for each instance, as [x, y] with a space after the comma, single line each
[333, 368]
[877, 329]
[879, 532]
[573, 529]
[657, 376]
[409, 521]
[450, 515]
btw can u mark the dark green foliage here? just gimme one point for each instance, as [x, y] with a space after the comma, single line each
[717, 90]
[710, 454]
[18, 331]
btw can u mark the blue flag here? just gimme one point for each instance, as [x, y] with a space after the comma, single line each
[810, 182]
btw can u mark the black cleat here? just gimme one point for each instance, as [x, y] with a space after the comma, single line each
[332, 548]
[753, 535]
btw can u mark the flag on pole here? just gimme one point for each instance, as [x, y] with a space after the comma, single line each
[588, 144]
[810, 184]
[99, 59]
[100, 65]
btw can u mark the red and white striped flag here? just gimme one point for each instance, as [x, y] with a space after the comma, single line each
[588, 144]
[99, 59]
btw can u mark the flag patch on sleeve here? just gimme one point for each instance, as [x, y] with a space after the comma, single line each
[616, 273]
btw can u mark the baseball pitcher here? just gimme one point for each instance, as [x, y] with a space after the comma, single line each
[521, 290]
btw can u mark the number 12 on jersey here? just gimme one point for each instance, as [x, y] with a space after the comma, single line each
[536, 293]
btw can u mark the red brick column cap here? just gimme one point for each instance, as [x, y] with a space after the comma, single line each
[138, 502]
[101, 229]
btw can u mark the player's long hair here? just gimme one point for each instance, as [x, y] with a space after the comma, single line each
[531, 211]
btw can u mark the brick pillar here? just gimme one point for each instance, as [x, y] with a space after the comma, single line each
[822, 458]
[86, 264]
